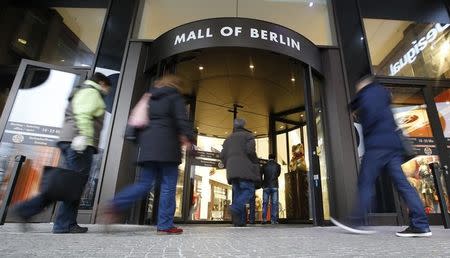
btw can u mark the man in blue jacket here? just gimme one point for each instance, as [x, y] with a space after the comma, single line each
[383, 152]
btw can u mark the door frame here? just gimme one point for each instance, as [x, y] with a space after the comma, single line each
[15, 87]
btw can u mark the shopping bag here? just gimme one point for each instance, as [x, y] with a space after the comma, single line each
[139, 114]
[408, 152]
[59, 184]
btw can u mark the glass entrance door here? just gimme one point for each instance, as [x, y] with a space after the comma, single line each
[30, 125]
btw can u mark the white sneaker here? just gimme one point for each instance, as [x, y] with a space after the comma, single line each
[352, 229]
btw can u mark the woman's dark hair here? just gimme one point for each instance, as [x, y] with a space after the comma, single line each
[99, 77]
[271, 156]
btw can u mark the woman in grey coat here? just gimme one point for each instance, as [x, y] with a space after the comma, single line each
[160, 152]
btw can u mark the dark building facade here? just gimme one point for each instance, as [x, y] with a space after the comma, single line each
[287, 67]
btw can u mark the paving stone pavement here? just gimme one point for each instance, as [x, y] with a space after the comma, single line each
[219, 241]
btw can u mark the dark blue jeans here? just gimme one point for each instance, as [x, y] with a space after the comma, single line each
[252, 208]
[67, 212]
[243, 191]
[168, 172]
[373, 163]
[273, 194]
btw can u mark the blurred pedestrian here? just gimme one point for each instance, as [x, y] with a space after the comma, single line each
[270, 173]
[78, 142]
[383, 152]
[160, 153]
[240, 160]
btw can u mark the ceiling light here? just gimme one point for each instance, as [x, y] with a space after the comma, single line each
[362, 38]
[226, 132]
[281, 126]
[22, 41]
[200, 68]
[251, 66]
[198, 128]
[311, 4]
[62, 60]
[293, 79]
[301, 115]
[255, 132]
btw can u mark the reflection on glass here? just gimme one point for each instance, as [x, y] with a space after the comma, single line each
[63, 36]
[409, 49]
[410, 114]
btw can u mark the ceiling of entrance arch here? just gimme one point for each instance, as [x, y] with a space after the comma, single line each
[274, 84]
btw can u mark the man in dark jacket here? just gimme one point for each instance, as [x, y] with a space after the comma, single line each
[239, 157]
[78, 141]
[270, 173]
[383, 152]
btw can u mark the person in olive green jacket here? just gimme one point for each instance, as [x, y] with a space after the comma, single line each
[79, 138]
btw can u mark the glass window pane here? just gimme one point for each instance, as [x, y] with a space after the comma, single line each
[442, 100]
[321, 146]
[405, 48]
[160, 16]
[410, 114]
[314, 13]
[154, 21]
[34, 123]
[282, 159]
[63, 36]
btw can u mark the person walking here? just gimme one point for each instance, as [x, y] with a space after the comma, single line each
[240, 160]
[270, 173]
[78, 141]
[383, 152]
[160, 153]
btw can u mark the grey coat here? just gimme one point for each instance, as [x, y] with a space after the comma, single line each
[168, 120]
[239, 156]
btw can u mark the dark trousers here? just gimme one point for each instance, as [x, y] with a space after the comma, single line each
[252, 208]
[243, 191]
[67, 212]
[374, 162]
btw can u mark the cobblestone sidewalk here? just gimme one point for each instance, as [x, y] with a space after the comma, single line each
[219, 241]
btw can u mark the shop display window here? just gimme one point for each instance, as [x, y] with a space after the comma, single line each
[410, 113]
[408, 49]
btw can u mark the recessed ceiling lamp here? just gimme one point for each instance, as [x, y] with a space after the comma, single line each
[255, 132]
[201, 68]
[251, 66]
[292, 79]
[362, 38]
[311, 4]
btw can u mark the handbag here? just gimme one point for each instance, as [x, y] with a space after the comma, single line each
[138, 119]
[59, 184]
[139, 114]
[408, 151]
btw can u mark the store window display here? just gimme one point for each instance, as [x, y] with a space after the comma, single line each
[410, 112]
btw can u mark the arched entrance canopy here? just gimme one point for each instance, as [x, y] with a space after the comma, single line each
[235, 32]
